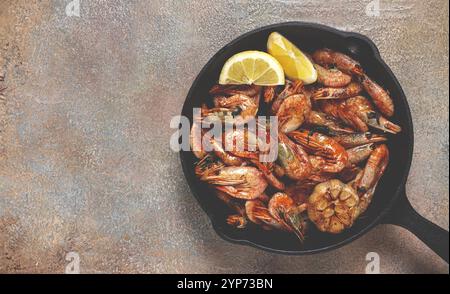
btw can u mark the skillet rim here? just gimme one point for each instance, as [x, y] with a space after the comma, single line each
[408, 120]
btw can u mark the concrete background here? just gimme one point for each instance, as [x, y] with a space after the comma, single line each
[85, 163]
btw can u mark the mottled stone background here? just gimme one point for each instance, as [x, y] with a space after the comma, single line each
[85, 163]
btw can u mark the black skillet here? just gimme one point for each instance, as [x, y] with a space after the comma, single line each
[389, 205]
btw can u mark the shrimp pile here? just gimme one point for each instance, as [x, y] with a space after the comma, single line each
[331, 143]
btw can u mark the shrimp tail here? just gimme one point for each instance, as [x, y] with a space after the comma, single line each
[237, 221]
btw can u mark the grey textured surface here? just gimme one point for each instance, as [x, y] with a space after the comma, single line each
[85, 163]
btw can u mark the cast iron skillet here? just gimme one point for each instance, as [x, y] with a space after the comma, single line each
[389, 205]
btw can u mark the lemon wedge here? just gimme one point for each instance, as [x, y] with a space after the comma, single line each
[252, 67]
[295, 63]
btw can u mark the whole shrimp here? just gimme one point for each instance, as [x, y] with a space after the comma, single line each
[359, 113]
[293, 112]
[291, 106]
[327, 57]
[227, 157]
[226, 149]
[347, 174]
[291, 88]
[362, 107]
[249, 151]
[374, 169]
[293, 159]
[326, 122]
[350, 90]
[334, 155]
[235, 156]
[197, 134]
[332, 77]
[367, 180]
[339, 110]
[356, 155]
[237, 109]
[244, 182]
[380, 96]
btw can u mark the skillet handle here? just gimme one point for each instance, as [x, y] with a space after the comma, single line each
[404, 215]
